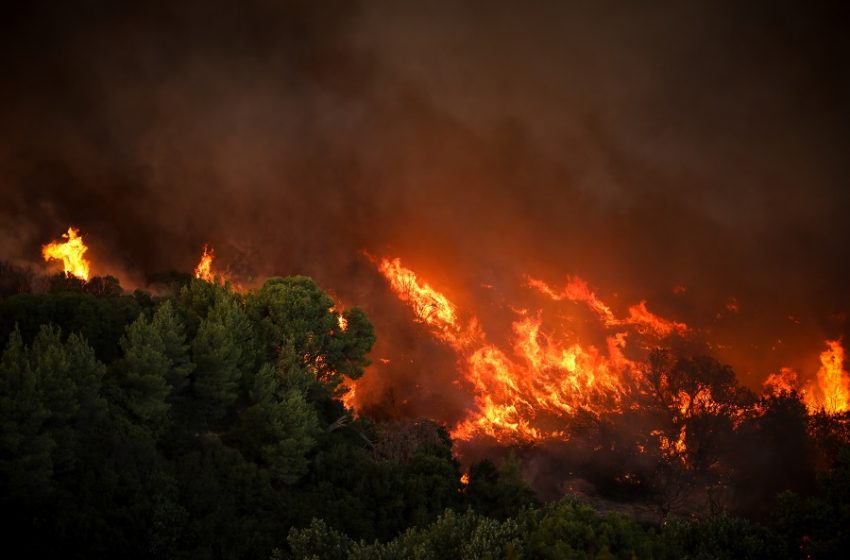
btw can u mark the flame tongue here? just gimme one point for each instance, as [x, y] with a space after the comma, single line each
[832, 393]
[70, 253]
[531, 388]
[204, 269]
[526, 390]
[429, 306]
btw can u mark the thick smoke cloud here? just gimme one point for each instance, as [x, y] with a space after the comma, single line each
[641, 147]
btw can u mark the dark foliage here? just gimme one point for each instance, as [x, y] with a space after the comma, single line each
[207, 424]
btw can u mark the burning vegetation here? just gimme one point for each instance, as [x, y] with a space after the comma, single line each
[70, 252]
[533, 387]
[606, 262]
[204, 269]
[579, 398]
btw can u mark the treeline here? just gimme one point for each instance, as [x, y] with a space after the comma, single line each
[206, 423]
[202, 424]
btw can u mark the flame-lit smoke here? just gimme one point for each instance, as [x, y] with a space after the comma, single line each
[70, 252]
[204, 269]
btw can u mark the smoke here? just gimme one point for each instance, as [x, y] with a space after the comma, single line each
[643, 147]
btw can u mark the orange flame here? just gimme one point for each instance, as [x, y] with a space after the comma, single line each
[531, 387]
[784, 381]
[70, 253]
[349, 397]
[648, 322]
[673, 449]
[832, 393]
[527, 390]
[204, 269]
[576, 290]
[641, 318]
[429, 306]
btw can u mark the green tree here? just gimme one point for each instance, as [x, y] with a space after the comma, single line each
[219, 352]
[317, 540]
[26, 464]
[298, 326]
[498, 492]
[279, 429]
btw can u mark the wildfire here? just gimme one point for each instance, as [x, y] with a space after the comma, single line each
[530, 387]
[524, 391]
[673, 449]
[832, 393]
[782, 382]
[429, 306]
[642, 319]
[204, 269]
[349, 396]
[70, 253]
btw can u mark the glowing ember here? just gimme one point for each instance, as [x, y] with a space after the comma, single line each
[204, 269]
[70, 253]
[673, 449]
[342, 322]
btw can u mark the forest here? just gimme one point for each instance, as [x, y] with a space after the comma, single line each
[195, 420]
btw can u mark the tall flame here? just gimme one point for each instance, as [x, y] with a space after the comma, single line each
[525, 390]
[204, 269]
[832, 393]
[530, 388]
[70, 252]
[429, 306]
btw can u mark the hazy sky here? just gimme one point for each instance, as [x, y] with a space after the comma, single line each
[640, 145]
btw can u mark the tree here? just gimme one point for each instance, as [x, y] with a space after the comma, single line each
[498, 492]
[219, 352]
[156, 363]
[26, 464]
[298, 326]
[279, 429]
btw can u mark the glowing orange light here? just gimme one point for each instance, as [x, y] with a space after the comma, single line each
[429, 306]
[782, 382]
[70, 253]
[518, 390]
[832, 392]
[531, 385]
[204, 269]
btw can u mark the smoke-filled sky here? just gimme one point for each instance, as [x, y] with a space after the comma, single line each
[642, 146]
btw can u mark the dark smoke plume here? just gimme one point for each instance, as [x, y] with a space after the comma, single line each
[642, 146]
